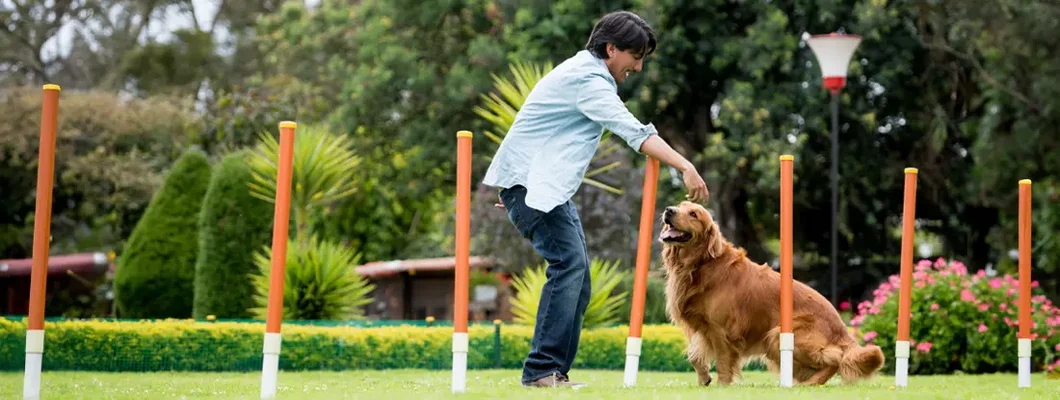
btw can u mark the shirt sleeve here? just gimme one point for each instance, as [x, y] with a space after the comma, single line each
[598, 100]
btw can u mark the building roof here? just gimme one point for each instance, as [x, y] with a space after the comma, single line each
[388, 268]
[81, 264]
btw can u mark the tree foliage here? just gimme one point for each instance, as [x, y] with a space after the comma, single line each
[156, 273]
[232, 226]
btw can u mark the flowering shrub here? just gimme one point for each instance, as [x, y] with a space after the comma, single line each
[960, 321]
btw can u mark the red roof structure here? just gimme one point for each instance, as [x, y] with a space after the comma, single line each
[380, 269]
[80, 264]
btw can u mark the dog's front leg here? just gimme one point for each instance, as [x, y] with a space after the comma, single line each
[699, 355]
[728, 365]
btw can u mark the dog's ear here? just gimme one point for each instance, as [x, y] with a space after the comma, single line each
[714, 243]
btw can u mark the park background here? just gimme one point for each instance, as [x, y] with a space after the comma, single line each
[161, 218]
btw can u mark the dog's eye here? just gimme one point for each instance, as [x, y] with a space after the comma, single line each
[692, 213]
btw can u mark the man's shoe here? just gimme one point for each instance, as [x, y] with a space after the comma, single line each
[554, 380]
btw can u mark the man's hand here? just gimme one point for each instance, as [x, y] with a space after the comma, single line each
[697, 189]
[500, 203]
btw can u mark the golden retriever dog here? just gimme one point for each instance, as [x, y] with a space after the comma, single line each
[729, 308]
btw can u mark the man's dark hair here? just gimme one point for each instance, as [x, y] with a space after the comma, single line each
[626, 30]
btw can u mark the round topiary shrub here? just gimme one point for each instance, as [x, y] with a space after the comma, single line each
[156, 271]
[233, 225]
[959, 322]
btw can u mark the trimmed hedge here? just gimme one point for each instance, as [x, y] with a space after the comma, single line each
[186, 345]
[233, 224]
[156, 272]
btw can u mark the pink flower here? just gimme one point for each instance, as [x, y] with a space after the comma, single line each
[995, 283]
[919, 275]
[1003, 306]
[982, 328]
[940, 262]
[953, 284]
[924, 347]
[1011, 291]
[959, 268]
[1008, 321]
[844, 305]
[966, 295]
[984, 307]
[874, 310]
[1058, 349]
[869, 336]
[934, 306]
[920, 284]
[923, 264]
[981, 273]
[1034, 284]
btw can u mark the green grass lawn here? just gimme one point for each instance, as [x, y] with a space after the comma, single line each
[504, 384]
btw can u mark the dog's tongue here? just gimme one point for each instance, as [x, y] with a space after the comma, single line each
[670, 233]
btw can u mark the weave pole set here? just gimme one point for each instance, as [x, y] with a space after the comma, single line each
[42, 235]
[272, 339]
[901, 376]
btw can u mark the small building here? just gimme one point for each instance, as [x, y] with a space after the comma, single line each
[421, 288]
[71, 274]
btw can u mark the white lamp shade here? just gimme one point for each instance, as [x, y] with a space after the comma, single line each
[833, 53]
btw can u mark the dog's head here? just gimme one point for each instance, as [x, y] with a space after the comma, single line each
[691, 225]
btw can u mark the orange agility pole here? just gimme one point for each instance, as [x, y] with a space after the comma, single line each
[280, 222]
[463, 239]
[905, 291]
[640, 279]
[41, 237]
[787, 337]
[1025, 321]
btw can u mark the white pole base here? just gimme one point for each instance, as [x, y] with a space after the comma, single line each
[270, 365]
[460, 346]
[31, 381]
[901, 363]
[1024, 363]
[787, 347]
[34, 360]
[629, 377]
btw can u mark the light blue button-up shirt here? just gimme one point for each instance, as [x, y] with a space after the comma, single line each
[556, 132]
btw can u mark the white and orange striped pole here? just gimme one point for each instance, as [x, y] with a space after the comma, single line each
[463, 240]
[787, 336]
[905, 290]
[640, 278]
[42, 222]
[280, 221]
[1025, 321]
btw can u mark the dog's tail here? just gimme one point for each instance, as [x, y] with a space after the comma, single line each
[860, 362]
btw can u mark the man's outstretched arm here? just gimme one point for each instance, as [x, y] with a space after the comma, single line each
[657, 148]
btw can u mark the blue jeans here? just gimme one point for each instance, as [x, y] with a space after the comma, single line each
[557, 237]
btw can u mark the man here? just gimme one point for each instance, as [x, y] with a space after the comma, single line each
[540, 164]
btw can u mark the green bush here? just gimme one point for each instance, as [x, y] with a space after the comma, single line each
[156, 273]
[654, 300]
[233, 224]
[959, 322]
[604, 303]
[184, 345]
[320, 282]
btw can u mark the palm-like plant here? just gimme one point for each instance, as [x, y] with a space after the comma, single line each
[500, 109]
[320, 282]
[603, 303]
[321, 171]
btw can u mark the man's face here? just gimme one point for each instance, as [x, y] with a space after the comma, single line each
[622, 62]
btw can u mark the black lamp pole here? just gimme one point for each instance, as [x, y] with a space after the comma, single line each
[835, 195]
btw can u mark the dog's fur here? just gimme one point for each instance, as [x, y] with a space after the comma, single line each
[729, 308]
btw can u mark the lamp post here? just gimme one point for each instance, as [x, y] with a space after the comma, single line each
[833, 52]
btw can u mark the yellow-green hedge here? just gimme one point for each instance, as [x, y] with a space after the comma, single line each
[185, 345]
